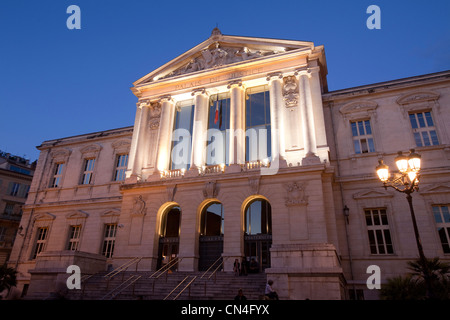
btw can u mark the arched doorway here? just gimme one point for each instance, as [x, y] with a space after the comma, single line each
[169, 235]
[211, 234]
[258, 233]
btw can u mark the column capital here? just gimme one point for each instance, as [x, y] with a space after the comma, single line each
[143, 103]
[305, 71]
[167, 98]
[276, 75]
[235, 84]
[199, 91]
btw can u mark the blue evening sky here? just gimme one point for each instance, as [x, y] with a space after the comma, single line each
[56, 82]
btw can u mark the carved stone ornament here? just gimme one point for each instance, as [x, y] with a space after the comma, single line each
[290, 92]
[295, 195]
[155, 110]
[218, 56]
[210, 190]
[254, 184]
[139, 206]
[154, 124]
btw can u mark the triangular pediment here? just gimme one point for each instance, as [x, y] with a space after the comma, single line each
[222, 50]
[77, 214]
[440, 188]
[372, 193]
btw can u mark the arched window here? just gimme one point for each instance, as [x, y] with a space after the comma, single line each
[211, 223]
[258, 218]
[170, 224]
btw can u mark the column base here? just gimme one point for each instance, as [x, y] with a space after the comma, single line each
[310, 159]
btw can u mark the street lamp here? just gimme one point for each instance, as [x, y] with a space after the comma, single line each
[407, 182]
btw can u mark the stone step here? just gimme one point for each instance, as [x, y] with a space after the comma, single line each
[223, 286]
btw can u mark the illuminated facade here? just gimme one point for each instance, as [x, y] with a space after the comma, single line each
[239, 151]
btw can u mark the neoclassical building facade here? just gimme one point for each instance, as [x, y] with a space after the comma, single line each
[240, 151]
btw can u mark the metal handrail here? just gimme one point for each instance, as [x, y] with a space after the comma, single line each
[176, 287]
[120, 285]
[210, 267]
[129, 284]
[123, 267]
[187, 286]
[215, 270]
[166, 266]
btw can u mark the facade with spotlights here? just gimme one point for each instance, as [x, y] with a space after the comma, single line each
[240, 151]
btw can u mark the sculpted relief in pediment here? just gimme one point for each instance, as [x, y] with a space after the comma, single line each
[218, 56]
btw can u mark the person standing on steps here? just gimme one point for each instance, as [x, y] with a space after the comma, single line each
[236, 267]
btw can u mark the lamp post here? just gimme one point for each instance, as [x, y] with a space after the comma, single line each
[407, 182]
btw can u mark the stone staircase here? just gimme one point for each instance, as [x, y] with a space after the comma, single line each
[221, 286]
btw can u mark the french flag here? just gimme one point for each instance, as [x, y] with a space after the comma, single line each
[216, 117]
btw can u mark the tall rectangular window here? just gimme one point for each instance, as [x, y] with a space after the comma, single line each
[41, 239]
[442, 218]
[13, 189]
[362, 136]
[74, 238]
[182, 137]
[109, 239]
[378, 229]
[423, 129]
[217, 148]
[121, 167]
[57, 175]
[257, 124]
[88, 171]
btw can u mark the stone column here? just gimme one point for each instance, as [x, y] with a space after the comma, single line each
[200, 127]
[136, 155]
[165, 133]
[277, 115]
[317, 107]
[237, 123]
[307, 117]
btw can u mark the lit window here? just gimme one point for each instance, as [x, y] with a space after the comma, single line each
[423, 129]
[41, 239]
[182, 137]
[257, 118]
[442, 219]
[121, 167]
[378, 229]
[88, 171]
[57, 175]
[362, 136]
[74, 238]
[109, 239]
[218, 124]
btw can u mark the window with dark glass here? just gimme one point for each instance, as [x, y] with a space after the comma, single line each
[170, 224]
[74, 238]
[362, 136]
[109, 239]
[442, 218]
[41, 239]
[121, 167]
[212, 220]
[182, 137]
[378, 231]
[57, 175]
[258, 218]
[257, 124]
[88, 171]
[423, 129]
